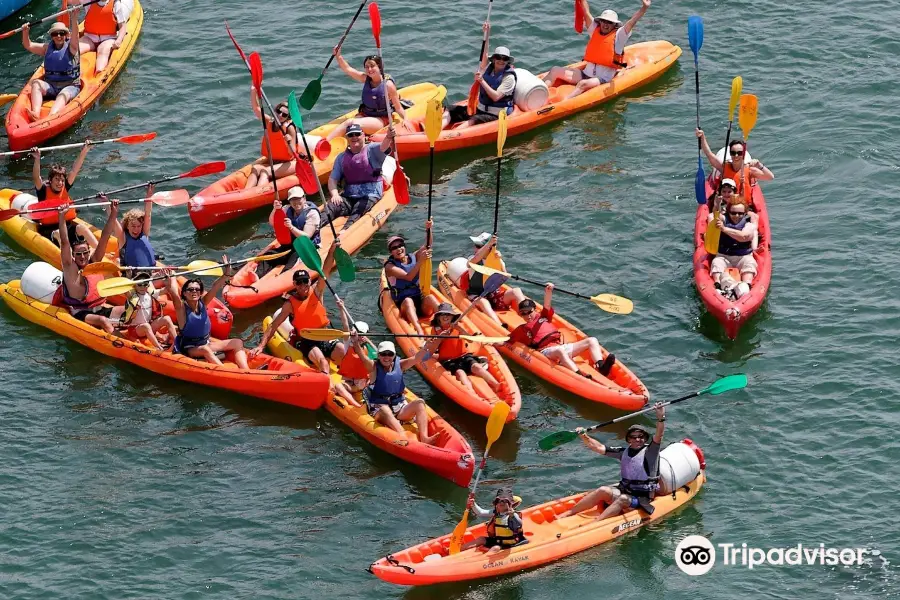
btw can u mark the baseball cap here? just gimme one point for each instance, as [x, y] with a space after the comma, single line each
[481, 239]
[730, 182]
[296, 192]
[353, 128]
[386, 346]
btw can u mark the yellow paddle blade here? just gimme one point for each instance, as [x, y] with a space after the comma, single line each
[495, 423]
[101, 268]
[485, 270]
[737, 84]
[205, 267]
[484, 339]
[501, 132]
[492, 261]
[711, 237]
[434, 115]
[456, 538]
[267, 256]
[322, 335]
[747, 113]
[114, 286]
[613, 304]
[425, 272]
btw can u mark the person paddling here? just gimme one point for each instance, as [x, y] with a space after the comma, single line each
[735, 168]
[402, 273]
[386, 394]
[504, 529]
[54, 192]
[61, 80]
[639, 471]
[284, 144]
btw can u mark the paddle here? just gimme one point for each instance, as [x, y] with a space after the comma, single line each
[326, 334]
[608, 302]
[165, 199]
[126, 139]
[726, 384]
[493, 429]
[3, 36]
[121, 285]
[747, 118]
[475, 90]
[303, 169]
[433, 115]
[314, 88]
[309, 256]
[492, 260]
[695, 36]
[198, 171]
[209, 267]
[711, 237]
[579, 17]
[401, 186]
[345, 267]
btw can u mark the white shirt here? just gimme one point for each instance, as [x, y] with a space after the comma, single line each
[143, 311]
[606, 74]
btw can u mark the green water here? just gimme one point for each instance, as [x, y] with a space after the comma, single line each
[117, 483]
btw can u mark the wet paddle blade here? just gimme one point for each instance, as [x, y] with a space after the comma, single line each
[711, 237]
[306, 176]
[308, 254]
[456, 538]
[700, 183]
[737, 85]
[375, 19]
[747, 113]
[425, 273]
[472, 102]
[101, 268]
[434, 114]
[321, 335]
[695, 35]
[170, 198]
[495, 423]
[256, 71]
[209, 168]
[579, 17]
[137, 139]
[294, 109]
[613, 304]
[311, 94]
[557, 439]
[345, 267]
[114, 286]
[501, 132]
[401, 186]
[726, 384]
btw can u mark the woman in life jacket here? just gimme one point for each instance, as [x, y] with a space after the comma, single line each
[604, 55]
[353, 372]
[736, 168]
[373, 110]
[402, 273]
[738, 239]
[284, 142]
[61, 80]
[504, 528]
[144, 316]
[193, 321]
[135, 249]
[639, 467]
[502, 299]
[386, 394]
[54, 192]
[452, 354]
[539, 333]
[105, 28]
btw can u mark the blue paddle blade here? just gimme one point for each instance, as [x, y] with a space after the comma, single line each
[700, 183]
[695, 34]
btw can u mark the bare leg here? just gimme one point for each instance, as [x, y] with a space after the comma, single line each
[617, 507]
[204, 352]
[416, 409]
[85, 232]
[583, 86]
[103, 52]
[480, 370]
[513, 296]
[590, 500]
[408, 310]
[318, 359]
[37, 98]
[429, 306]
[588, 344]
[485, 307]
[341, 390]
[464, 379]
[570, 76]
[337, 355]
[559, 355]
[386, 417]
[479, 541]
[145, 331]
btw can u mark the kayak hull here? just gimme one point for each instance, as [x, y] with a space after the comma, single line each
[9, 7]
[23, 133]
[282, 381]
[622, 389]
[483, 400]
[227, 199]
[733, 314]
[647, 61]
[550, 539]
[452, 459]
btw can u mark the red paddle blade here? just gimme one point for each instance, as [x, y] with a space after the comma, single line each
[375, 18]
[307, 177]
[282, 233]
[137, 139]
[170, 198]
[234, 41]
[472, 106]
[579, 17]
[256, 70]
[9, 213]
[401, 186]
[205, 169]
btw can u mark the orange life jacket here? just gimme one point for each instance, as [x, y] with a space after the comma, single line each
[281, 152]
[101, 20]
[601, 50]
[739, 178]
[309, 313]
[449, 348]
[52, 201]
[352, 366]
[541, 332]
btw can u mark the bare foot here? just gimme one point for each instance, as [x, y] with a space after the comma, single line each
[564, 514]
[430, 439]
[34, 116]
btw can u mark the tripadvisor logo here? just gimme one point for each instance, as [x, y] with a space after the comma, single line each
[696, 555]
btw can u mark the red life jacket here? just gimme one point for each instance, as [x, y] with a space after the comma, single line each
[52, 201]
[101, 20]
[91, 300]
[352, 366]
[449, 348]
[281, 152]
[541, 331]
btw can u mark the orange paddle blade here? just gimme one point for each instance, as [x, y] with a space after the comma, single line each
[472, 105]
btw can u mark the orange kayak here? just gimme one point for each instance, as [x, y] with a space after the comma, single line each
[484, 398]
[248, 289]
[23, 133]
[451, 458]
[646, 62]
[549, 539]
[24, 232]
[227, 199]
[621, 389]
[268, 378]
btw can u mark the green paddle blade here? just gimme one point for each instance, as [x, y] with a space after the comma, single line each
[308, 254]
[557, 439]
[311, 94]
[294, 110]
[345, 268]
[726, 384]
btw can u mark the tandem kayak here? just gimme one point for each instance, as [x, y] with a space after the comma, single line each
[549, 538]
[646, 62]
[24, 232]
[620, 389]
[483, 400]
[9, 7]
[268, 378]
[23, 133]
[451, 458]
[732, 314]
[248, 289]
[227, 199]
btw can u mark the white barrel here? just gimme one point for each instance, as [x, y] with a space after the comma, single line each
[319, 146]
[721, 156]
[531, 91]
[285, 329]
[678, 466]
[40, 280]
[388, 169]
[456, 268]
[23, 202]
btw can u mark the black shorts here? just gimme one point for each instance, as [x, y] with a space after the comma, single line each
[417, 302]
[305, 346]
[71, 229]
[490, 542]
[463, 363]
[103, 311]
[460, 114]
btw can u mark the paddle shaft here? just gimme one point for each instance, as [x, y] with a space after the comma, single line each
[78, 145]
[484, 38]
[208, 268]
[129, 188]
[555, 289]
[47, 18]
[89, 204]
[308, 153]
[497, 198]
[343, 37]
[387, 102]
[265, 125]
[640, 412]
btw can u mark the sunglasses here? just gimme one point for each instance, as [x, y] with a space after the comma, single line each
[498, 57]
[737, 152]
[59, 34]
[301, 282]
[355, 134]
[82, 253]
[397, 247]
[736, 213]
[192, 289]
[284, 113]
[605, 22]
[142, 284]
[386, 354]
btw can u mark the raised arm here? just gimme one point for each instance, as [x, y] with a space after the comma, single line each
[483, 252]
[387, 143]
[74, 19]
[714, 161]
[65, 246]
[327, 266]
[346, 68]
[630, 23]
[79, 162]
[660, 423]
[36, 169]
[423, 354]
[588, 18]
[111, 222]
[39, 49]
[548, 294]
[219, 283]
[363, 355]
[591, 443]
[760, 171]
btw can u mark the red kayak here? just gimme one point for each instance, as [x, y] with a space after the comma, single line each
[733, 313]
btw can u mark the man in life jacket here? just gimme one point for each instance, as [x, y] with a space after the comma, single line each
[739, 236]
[105, 28]
[61, 80]
[54, 192]
[77, 292]
[304, 308]
[498, 300]
[300, 218]
[639, 471]
[736, 168]
[605, 52]
[358, 170]
[539, 332]
[504, 528]
[402, 273]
